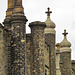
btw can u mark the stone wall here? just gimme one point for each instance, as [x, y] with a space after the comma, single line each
[50, 39]
[3, 53]
[38, 42]
[65, 63]
[18, 48]
[73, 67]
[28, 54]
[47, 58]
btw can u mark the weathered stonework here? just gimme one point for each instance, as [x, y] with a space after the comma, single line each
[18, 40]
[65, 56]
[38, 42]
[18, 48]
[28, 54]
[11, 4]
[34, 53]
[47, 48]
[73, 67]
[50, 39]
[3, 53]
[58, 72]
[65, 63]
[7, 36]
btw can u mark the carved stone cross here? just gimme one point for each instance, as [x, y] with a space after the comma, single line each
[48, 12]
[65, 33]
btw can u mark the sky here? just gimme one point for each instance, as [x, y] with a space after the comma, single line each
[63, 15]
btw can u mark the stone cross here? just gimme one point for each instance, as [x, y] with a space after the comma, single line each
[65, 33]
[48, 12]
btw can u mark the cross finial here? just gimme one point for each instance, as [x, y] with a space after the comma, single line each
[48, 12]
[65, 33]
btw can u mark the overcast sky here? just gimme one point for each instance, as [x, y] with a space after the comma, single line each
[63, 15]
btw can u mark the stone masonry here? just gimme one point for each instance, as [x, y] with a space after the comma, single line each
[3, 52]
[38, 42]
[65, 70]
[28, 54]
[18, 41]
[73, 67]
[50, 39]
[65, 56]
[7, 26]
[34, 53]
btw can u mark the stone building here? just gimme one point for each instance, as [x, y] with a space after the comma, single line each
[32, 54]
[73, 67]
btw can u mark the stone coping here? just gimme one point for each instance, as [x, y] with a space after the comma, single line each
[37, 23]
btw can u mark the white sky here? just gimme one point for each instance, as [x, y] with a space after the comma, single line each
[63, 15]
